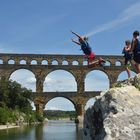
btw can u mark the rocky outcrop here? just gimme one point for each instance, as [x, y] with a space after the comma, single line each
[115, 114]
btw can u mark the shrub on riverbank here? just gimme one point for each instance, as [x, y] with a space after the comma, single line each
[18, 117]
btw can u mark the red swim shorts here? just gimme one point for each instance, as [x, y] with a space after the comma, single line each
[92, 56]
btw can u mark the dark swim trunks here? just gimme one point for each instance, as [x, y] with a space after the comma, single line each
[136, 51]
[136, 58]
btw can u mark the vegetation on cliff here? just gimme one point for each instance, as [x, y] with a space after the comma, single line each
[133, 81]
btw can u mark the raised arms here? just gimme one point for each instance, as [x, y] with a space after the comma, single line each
[75, 42]
[77, 35]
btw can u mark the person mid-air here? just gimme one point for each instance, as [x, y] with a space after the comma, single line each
[85, 47]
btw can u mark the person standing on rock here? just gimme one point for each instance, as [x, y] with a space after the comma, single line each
[128, 56]
[136, 50]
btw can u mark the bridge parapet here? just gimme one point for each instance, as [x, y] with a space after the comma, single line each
[47, 59]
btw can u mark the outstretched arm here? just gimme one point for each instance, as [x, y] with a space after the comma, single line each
[75, 42]
[76, 34]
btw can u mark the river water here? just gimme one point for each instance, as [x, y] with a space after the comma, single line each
[53, 130]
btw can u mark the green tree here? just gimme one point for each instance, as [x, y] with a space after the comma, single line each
[13, 96]
[14, 99]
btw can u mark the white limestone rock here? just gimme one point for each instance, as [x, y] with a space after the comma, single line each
[115, 114]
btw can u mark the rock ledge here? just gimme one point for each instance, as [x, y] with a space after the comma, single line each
[115, 114]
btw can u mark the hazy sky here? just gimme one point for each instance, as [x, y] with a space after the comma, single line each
[43, 26]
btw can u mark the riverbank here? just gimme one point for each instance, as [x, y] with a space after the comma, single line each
[19, 125]
[2, 127]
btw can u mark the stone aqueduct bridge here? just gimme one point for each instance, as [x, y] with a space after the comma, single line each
[75, 64]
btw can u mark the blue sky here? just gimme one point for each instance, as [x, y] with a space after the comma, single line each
[43, 26]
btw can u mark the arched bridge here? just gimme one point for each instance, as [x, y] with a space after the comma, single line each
[42, 64]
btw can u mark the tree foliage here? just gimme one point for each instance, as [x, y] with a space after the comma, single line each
[13, 96]
[15, 103]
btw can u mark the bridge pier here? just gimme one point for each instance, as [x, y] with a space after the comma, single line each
[80, 79]
[4, 75]
[40, 78]
[39, 108]
[39, 104]
[80, 109]
[80, 114]
[39, 85]
[113, 78]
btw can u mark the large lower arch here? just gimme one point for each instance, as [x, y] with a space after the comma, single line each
[60, 103]
[123, 75]
[33, 105]
[96, 80]
[25, 77]
[90, 103]
[58, 106]
[60, 80]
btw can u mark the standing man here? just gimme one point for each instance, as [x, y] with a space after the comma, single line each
[136, 50]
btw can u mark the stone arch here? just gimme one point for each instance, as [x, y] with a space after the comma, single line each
[1, 61]
[33, 105]
[108, 63]
[90, 102]
[26, 79]
[62, 75]
[75, 63]
[96, 80]
[118, 63]
[123, 75]
[65, 62]
[62, 100]
[85, 63]
[44, 62]
[33, 62]
[54, 62]
[23, 62]
[11, 61]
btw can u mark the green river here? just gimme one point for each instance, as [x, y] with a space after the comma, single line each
[53, 130]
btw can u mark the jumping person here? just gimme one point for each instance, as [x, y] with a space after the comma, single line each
[136, 50]
[128, 56]
[85, 47]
